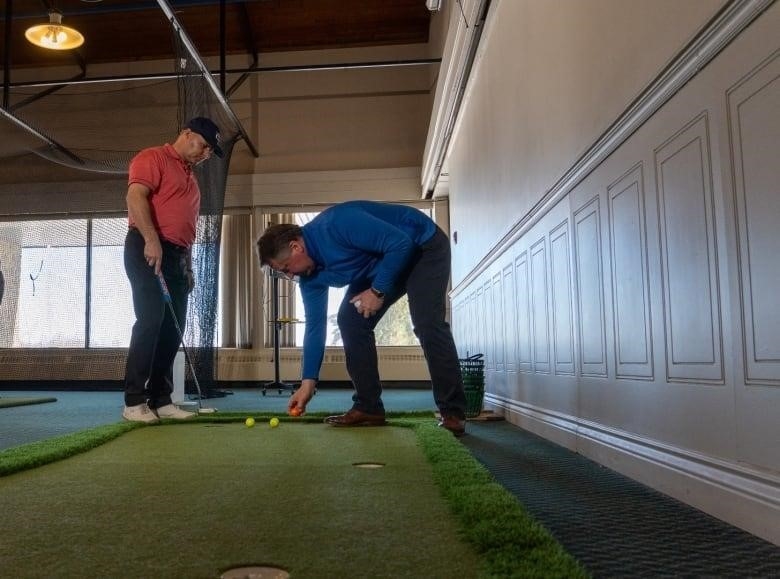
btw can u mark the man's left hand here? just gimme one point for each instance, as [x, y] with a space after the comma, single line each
[367, 303]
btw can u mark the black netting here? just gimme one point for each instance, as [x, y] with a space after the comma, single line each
[96, 128]
[63, 282]
[197, 99]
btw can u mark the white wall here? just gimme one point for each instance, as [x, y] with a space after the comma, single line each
[550, 77]
[630, 316]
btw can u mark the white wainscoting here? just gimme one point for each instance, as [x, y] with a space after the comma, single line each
[640, 323]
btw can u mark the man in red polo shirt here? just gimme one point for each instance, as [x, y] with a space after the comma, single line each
[163, 202]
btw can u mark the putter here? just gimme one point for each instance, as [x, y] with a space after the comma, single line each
[169, 302]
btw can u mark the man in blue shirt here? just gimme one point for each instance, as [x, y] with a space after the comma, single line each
[381, 252]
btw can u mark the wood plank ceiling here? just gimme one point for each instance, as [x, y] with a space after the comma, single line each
[133, 30]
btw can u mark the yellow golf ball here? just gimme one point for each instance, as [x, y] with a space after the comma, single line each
[250, 422]
[274, 422]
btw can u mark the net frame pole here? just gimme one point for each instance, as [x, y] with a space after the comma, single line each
[242, 71]
[7, 57]
[36, 133]
[168, 11]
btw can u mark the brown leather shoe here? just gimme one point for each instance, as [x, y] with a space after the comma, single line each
[455, 425]
[356, 417]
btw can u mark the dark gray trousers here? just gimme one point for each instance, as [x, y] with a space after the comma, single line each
[155, 340]
[425, 284]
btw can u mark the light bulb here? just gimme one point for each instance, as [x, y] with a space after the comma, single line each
[53, 35]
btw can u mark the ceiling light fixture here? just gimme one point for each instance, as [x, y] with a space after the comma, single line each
[54, 35]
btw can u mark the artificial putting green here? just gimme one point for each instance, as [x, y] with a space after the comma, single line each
[10, 401]
[192, 500]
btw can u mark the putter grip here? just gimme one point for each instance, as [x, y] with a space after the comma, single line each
[164, 288]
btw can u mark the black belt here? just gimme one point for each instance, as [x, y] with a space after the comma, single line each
[169, 244]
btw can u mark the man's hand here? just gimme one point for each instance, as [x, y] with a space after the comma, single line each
[367, 303]
[153, 253]
[300, 398]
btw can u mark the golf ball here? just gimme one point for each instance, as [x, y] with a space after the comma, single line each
[274, 422]
[294, 411]
[250, 422]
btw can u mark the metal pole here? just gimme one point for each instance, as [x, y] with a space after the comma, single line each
[222, 46]
[88, 289]
[7, 59]
[250, 70]
[277, 329]
[35, 132]
[166, 8]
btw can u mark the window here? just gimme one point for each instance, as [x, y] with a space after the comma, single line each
[394, 329]
[44, 267]
[47, 267]
[111, 304]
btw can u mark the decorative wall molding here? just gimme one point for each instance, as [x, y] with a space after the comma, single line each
[523, 309]
[588, 287]
[700, 51]
[497, 315]
[628, 258]
[561, 300]
[752, 114]
[689, 256]
[488, 325]
[508, 317]
[540, 313]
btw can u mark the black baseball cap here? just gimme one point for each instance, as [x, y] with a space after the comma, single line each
[207, 129]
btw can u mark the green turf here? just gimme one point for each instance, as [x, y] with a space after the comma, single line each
[222, 495]
[510, 542]
[9, 401]
[39, 453]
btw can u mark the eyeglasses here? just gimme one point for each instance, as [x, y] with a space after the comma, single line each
[201, 141]
[282, 267]
[284, 270]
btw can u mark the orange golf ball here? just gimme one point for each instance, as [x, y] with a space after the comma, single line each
[294, 411]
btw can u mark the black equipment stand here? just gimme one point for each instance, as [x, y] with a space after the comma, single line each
[277, 383]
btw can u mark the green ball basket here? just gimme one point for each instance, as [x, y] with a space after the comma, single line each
[473, 371]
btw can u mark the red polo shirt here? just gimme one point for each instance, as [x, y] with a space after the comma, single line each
[175, 197]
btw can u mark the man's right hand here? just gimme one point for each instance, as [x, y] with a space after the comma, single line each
[153, 254]
[300, 398]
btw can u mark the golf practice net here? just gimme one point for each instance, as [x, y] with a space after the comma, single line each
[65, 303]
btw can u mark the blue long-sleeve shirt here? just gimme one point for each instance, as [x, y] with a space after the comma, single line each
[361, 244]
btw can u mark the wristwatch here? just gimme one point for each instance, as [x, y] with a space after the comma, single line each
[377, 293]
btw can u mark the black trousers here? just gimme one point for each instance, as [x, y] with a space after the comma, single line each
[155, 339]
[425, 283]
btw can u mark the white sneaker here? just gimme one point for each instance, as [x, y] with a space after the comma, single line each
[140, 413]
[173, 411]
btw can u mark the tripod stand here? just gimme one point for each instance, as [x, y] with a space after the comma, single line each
[277, 382]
